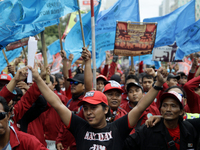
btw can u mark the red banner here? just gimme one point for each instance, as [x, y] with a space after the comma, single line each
[133, 39]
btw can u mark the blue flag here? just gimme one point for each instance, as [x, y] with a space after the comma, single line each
[8, 16]
[105, 28]
[44, 10]
[26, 31]
[11, 55]
[171, 24]
[146, 58]
[100, 57]
[188, 41]
[55, 48]
[73, 40]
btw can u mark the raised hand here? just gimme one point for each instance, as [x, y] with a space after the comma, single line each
[86, 55]
[63, 54]
[22, 85]
[161, 76]
[150, 71]
[11, 69]
[35, 73]
[71, 57]
[21, 74]
[176, 67]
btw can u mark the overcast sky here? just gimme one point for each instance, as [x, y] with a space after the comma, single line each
[149, 8]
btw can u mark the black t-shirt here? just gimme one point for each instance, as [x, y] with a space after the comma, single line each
[110, 137]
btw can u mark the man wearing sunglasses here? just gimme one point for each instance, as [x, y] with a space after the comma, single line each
[77, 90]
[11, 138]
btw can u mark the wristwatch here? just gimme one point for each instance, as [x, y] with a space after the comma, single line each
[157, 87]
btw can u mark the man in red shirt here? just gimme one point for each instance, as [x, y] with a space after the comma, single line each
[113, 92]
[135, 93]
[11, 138]
[129, 78]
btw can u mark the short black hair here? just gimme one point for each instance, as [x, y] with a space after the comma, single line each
[51, 79]
[104, 107]
[131, 76]
[147, 76]
[4, 103]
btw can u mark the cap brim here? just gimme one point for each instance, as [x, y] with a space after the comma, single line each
[115, 88]
[74, 80]
[90, 101]
[133, 84]
[4, 80]
[165, 95]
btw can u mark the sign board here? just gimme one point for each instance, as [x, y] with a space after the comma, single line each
[134, 39]
[165, 53]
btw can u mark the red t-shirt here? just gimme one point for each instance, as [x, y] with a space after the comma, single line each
[175, 134]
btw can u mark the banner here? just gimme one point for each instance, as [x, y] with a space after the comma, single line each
[133, 39]
[165, 53]
[56, 64]
[184, 67]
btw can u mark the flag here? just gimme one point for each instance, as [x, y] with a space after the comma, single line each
[147, 59]
[26, 31]
[55, 48]
[73, 40]
[44, 10]
[70, 23]
[11, 55]
[8, 16]
[122, 10]
[172, 23]
[188, 40]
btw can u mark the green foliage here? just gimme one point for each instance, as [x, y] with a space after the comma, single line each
[51, 33]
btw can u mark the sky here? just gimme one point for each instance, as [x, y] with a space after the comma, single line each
[148, 8]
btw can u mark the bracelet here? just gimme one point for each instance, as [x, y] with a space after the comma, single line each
[157, 87]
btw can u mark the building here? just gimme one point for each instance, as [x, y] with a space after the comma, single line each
[168, 6]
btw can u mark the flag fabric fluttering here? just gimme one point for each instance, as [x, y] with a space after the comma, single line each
[45, 10]
[172, 23]
[73, 40]
[55, 48]
[188, 40]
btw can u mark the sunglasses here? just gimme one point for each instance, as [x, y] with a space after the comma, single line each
[3, 115]
[74, 82]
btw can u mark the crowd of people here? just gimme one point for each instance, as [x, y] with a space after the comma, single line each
[152, 109]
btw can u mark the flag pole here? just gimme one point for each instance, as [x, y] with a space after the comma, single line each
[132, 64]
[79, 12]
[4, 54]
[45, 56]
[59, 32]
[93, 43]
[24, 51]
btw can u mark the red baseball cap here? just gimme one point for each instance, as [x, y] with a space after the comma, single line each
[101, 76]
[5, 77]
[113, 85]
[94, 97]
[174, 95]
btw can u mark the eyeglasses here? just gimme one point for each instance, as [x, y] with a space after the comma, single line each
[74, 82]
[3, 115]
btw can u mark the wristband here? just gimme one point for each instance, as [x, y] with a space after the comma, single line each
[157, 87]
